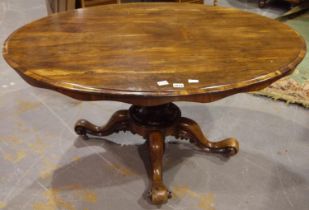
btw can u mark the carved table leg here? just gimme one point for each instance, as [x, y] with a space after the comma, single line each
[119, 121]
[158, 193]
[188, 129]
[154, 123]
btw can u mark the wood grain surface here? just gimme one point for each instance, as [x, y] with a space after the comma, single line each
[120, 52]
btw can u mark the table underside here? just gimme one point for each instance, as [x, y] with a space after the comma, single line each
[154, 123]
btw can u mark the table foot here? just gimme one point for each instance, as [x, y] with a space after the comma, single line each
[154, 123]
[118, 122]
[189, 129]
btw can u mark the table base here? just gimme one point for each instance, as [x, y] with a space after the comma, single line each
[154, 124]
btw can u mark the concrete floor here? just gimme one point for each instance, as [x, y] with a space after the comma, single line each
[44, 165]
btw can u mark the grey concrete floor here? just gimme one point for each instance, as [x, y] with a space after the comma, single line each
[44, 165]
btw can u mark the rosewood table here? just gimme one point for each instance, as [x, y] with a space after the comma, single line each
[150, 55]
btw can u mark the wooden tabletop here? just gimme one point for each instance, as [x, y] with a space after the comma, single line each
[121, 52]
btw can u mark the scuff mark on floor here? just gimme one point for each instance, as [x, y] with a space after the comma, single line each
[2, 205]
[25, 106]
[76, 158]
[54, 201]
[10, 140]
[38, 147]
[282, 152]
[15, 158]
[124, 171]
[49, 168]
[21, 126]
[88, 196]
[205, 201]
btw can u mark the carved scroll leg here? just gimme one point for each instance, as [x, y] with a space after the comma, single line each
[118, 122]
[189, 129]
[158, 193]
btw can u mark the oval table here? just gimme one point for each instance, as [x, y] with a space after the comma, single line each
[150, 55]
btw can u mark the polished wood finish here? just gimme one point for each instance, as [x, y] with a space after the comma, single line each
[158, 193]
[154, 123]
[120, 52]
[91, 3]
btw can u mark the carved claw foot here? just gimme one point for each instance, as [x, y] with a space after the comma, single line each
[189, 129]
[228, 147]
[118, 122]
[158, 193]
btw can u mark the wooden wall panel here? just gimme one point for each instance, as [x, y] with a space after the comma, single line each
[54, 6]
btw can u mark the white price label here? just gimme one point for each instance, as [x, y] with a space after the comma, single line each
[178, 85]
[162, 83]
[193, 81]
